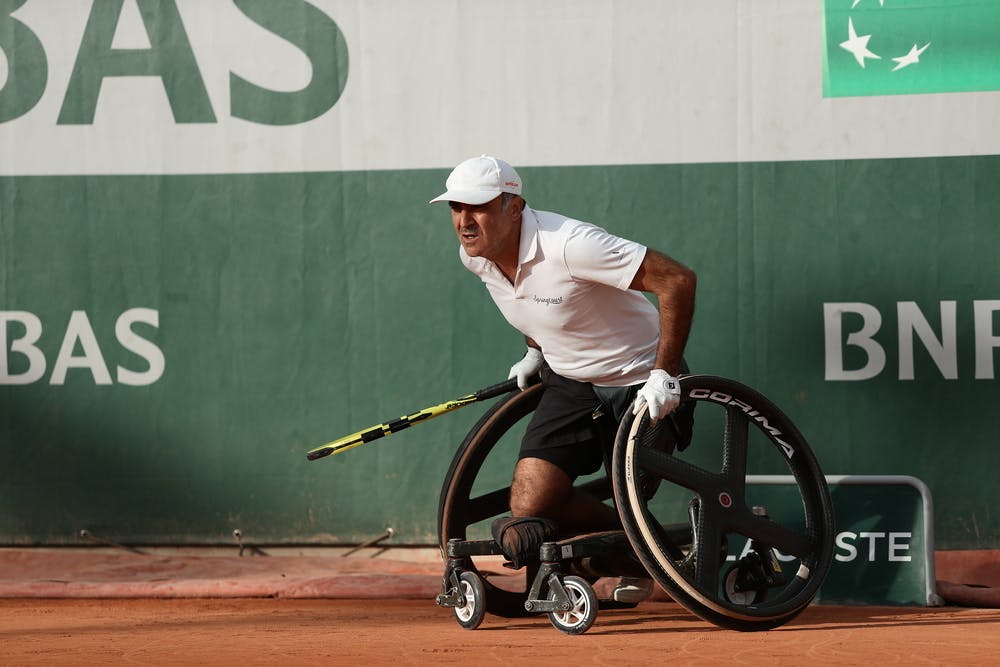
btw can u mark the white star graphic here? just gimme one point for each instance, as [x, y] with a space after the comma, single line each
[911, 58]
[858, 46]
[880, 2]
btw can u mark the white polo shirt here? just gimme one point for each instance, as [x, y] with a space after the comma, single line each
[571, 296]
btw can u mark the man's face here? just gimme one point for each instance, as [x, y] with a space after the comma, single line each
[487, 230]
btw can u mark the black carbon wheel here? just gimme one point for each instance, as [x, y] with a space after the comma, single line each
[708, 483]
[463, 507]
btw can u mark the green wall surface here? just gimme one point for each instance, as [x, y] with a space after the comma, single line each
[296, 308]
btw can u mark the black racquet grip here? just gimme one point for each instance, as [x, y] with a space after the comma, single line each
[503, 388]
[499, 389]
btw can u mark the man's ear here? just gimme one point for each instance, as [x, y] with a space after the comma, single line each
[517, 206]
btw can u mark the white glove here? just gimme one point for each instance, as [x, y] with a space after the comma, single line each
[661, 394]
[527, 367]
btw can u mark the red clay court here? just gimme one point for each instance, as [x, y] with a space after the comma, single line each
[257, 631]
[72, 607]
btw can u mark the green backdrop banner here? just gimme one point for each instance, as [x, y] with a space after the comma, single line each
[172, 345]
[216, 252]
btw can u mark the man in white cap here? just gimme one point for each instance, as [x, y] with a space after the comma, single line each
[601, 347]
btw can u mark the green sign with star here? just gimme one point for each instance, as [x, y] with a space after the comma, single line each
[899, 47]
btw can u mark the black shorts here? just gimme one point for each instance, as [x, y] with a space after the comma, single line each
[575, 423]
[572, 428]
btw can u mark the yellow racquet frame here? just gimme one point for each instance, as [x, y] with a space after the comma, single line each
[406, 421]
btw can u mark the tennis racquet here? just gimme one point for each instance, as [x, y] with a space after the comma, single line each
[395, 426]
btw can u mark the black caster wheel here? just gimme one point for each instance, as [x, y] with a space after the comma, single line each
[583, 607]
[471, 614]
[708, 483]
[464, 507]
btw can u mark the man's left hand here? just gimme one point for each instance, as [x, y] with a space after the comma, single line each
[661, 394]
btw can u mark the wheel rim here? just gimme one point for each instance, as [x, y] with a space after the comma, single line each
[466, 611]
[723, 509]
[579, 610]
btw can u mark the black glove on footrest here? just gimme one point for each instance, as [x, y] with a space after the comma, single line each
[520, 537]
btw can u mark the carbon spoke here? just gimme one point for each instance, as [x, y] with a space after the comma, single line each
[735, 440]
[774, 535]
[486, 506]
[707, 553]
[675, 470]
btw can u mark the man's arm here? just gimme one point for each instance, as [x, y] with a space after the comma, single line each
[674, 286]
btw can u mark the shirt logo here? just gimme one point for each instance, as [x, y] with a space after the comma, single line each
[548, 300]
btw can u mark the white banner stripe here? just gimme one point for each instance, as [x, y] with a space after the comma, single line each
[553, 83]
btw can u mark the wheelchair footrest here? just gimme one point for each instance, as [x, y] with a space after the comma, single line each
[595, 555]
[465, 548]
[588, 544]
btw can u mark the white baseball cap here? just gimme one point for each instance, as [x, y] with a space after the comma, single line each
[479, 180]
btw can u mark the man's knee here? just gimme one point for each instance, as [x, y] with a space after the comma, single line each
[530, 505]
[539, 488]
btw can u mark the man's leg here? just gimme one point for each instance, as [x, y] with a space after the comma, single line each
[541, 488]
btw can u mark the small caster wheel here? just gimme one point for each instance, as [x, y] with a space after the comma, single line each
[583, 607]
[471, 614]
[744, 598]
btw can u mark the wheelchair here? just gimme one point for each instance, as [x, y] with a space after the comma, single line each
[684, 512]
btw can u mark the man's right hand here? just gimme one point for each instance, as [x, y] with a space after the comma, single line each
[528, 366]
[661, 395]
